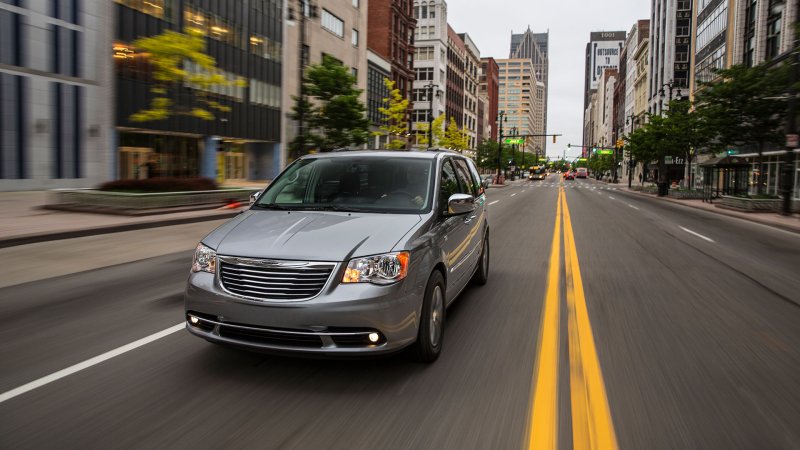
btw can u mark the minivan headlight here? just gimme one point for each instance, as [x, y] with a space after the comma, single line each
[205, 259]
[379, 269]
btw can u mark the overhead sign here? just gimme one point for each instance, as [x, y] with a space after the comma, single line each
[605, 152]
[514, 141]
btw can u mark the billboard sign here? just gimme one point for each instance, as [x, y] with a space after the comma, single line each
[605, 55]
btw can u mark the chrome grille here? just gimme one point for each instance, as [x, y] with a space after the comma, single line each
[265, 279]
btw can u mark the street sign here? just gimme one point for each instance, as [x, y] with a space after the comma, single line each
[513, 141]
[792, 140]
[605, 152]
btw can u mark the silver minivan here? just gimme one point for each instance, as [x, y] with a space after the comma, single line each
[345, 253]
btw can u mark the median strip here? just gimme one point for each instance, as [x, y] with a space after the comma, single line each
[543, 425]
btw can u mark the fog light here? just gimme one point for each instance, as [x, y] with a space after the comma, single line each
[194, 320]
[374, 337]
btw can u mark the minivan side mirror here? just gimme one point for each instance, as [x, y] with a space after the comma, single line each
[254, 196]
[459, 204]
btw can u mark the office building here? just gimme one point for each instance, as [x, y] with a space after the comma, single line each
[429, 95]
[378, 70]
[56, 110]
[456, 66]
[489, 87]
[472, 62]
[602, 52]
[336, 29]
[518, 100]
[534, 46]
[245, 38]
[670, 46]
[391, 25]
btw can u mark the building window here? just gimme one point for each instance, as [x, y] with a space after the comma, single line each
[354, 38]
[332, 23]
[354, 72]
[425, 53]
[153, 8]
[424, 11]
[265, 47]
[424, 74]
[356, 3]
[432, 11]
[774, 28]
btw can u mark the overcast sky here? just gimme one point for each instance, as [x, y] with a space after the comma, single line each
[490, 23]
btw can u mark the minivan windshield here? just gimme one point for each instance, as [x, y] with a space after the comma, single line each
[381, 184]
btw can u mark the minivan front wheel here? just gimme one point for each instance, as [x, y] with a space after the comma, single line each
[431, 327]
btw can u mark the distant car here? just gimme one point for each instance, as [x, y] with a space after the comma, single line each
[581, 172]
[486, 181]
[569, 175]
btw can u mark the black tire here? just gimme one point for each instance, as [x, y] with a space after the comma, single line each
[481, 275]
[429, 344]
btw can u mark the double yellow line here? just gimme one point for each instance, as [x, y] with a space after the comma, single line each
[592, 427]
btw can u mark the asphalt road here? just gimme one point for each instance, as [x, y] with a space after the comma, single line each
[695, 317]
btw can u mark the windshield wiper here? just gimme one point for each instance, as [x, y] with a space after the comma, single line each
[270, 206]
[338, 208]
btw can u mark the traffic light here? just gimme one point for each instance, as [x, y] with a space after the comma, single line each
[569, 145]
[554, 139]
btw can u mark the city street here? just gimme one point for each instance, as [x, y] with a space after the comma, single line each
[695, 319]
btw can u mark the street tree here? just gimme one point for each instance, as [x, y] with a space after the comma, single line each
[745, 106]
[687, 131]
[334, 114]
[180, 60]
[454, 138]
[395, 117]
[438, 132]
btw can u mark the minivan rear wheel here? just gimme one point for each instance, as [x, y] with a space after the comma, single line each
[482, 271]
[431, 326]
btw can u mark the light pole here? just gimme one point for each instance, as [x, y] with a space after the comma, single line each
[514, 149]
[303, 5]
[501, 117]
[430, 87]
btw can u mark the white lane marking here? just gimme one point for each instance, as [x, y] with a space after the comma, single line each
[696, 234]
[612, 198]
[492, 203]
[514, 194]
[632, 206]
[89, 363]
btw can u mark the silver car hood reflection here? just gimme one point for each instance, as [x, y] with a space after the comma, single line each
[310, 235]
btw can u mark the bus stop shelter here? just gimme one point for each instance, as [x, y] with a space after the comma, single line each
[724, 175]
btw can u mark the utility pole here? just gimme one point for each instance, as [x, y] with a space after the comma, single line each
[500, 118]
[787, 170]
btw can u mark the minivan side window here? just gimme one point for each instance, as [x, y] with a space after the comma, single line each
[476, 179]
[448, 185]
[467, 185]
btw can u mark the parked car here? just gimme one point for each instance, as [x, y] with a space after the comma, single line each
[346, 253]
[486, 181]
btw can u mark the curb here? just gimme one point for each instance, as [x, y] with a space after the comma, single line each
[751, 217]
[93, 231]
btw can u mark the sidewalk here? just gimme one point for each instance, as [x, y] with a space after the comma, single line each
[23, 221]
[788, 223]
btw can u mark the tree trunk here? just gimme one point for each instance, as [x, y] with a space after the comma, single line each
[663, 178]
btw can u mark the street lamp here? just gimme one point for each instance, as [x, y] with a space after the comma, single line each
[430, 87]
[514, 148]
[501, 117]
[670, 86]
[306, 8]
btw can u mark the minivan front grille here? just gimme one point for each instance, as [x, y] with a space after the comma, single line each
[264, 279]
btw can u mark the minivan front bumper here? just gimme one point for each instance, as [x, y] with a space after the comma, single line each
[343, 319]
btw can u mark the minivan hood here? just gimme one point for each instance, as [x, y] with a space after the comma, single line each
[311, 235]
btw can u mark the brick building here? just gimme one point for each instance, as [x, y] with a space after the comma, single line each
[456, 64]
[390, 34]
[489, 86]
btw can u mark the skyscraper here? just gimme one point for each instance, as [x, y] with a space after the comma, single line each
[602, 52]
[533, 46]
